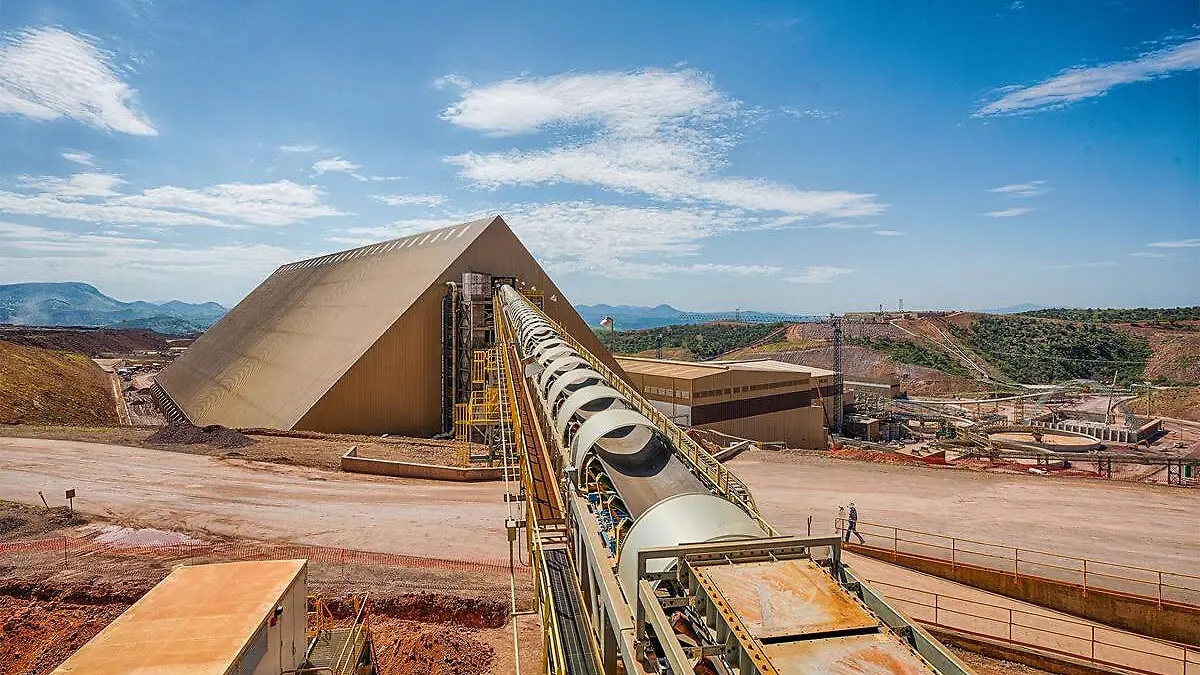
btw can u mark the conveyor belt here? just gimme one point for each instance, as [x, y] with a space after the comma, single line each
[569, 615]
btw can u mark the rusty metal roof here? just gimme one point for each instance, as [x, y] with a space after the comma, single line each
[787, 598]
[197, 621]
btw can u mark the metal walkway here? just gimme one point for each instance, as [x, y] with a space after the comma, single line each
[569, 615]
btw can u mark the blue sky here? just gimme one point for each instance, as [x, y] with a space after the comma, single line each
[804, 157]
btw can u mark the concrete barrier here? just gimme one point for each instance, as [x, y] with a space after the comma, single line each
[352, 463]
[1164, 619]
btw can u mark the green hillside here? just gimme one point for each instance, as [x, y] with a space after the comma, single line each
[705, 341]
[1138, 315]
[912, 353]
[1036, 351]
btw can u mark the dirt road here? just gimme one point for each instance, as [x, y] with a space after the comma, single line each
[1146, 525]
[258, 501]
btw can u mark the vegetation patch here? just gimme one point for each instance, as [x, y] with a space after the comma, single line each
[904, 351]
[705, 341]
[1035, 351]
[1140, 314]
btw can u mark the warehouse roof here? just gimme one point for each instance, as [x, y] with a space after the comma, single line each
[689, 370]
[198, 621]
[777, 366]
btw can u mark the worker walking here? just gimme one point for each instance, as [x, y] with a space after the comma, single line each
[852, 525]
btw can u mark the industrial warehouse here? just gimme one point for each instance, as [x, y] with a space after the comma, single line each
[633, 547]
[764, 400]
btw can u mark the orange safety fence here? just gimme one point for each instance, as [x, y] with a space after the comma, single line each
[1090, 642]
[1163, 586]
[70, 548]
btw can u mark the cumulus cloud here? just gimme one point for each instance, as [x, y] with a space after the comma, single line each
[1009, 213]
[93, 198]
[820, 274]
[1084, 82]
[409, 200]
[299, 148]
[336, 165]
[120, 261]
[662, 134]
[341, 165]
[87, 184]
[48, 74]
[1031, 189]
[80, 157]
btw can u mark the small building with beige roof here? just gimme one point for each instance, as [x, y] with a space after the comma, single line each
[764, 400]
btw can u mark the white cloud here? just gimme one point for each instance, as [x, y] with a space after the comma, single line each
[1075, 266]
[1009, 213]
[80, 157]
[87, 184]
[841, 225]
[48, 74]
[1181, 243]
[1031, 189]
[340, 165]
[890, 233]
[299, 148]
[658, 133]
[336, 165]
[600, 239]
[820, 274]
[30, 252]
[407, 200]
[91, 197]
[1148, 254]
[1080, 83]
[809, 113]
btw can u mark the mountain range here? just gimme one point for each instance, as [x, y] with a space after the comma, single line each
[634, 317]
[80, 304]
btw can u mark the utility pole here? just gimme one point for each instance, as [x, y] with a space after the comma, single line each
[1111, 389]
[839, 379]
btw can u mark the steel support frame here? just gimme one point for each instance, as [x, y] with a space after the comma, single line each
[733, 640]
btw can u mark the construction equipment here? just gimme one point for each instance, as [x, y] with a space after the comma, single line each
[649, 556]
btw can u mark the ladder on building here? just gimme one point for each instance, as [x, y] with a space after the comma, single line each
[504, 441]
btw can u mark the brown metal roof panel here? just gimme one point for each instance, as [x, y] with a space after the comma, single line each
[197, 621]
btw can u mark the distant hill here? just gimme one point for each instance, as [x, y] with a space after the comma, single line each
[1015, 309]
[80, 304]
[635, 317]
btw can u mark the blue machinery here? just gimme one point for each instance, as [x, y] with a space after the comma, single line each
[651, 557]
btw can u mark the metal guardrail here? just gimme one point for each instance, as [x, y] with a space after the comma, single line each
[1158, 585]
[696, 457]
[1095, 644]
[555, 653]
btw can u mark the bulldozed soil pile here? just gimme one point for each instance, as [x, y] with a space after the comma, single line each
[432, 608]
[410, 648]
[18, 521]
[38, 635]
[874, 456]
[213, 435]
[39, 386]
[94, 342]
